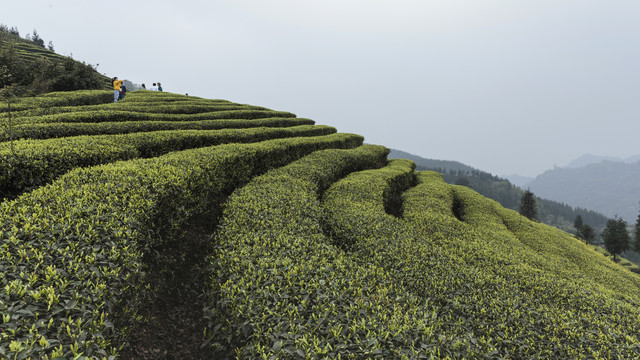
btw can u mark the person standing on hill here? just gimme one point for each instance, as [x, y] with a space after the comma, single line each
[159, 87]
[154, 87]
[117, 84]
[123, 92]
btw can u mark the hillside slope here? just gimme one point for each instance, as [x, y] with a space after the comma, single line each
[29, 69]
[166, 226]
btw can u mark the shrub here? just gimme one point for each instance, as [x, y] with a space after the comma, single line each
[72, 252]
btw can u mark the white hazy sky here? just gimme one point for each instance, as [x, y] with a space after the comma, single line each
[506, 86]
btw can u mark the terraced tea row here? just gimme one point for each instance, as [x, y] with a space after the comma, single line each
[282, 289]
[27, 50]
[494, 302]
[72, 252]
[66, 98]
[181, 107]
[324, 249]
[27, 164]
[117, 115]
[58, 130]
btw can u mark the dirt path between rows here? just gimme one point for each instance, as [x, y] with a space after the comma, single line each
[175, 316]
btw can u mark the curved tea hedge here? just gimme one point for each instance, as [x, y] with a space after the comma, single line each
[57, 130]
[72, 251]
[499, 304]
[322, 249]
[124, 115]
[61, 98]
[28, 164]
[282, 290]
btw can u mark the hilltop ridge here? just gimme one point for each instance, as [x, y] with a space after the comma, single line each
[27, 68]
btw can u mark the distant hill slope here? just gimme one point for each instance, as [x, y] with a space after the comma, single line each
[28, 69]
[588, 159]
[552, 212]
[445, 166]
[611, 188]
[519, 180]
[169, 226]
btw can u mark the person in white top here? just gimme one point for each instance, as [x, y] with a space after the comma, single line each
[154, 87]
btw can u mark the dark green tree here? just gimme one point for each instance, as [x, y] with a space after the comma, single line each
[615, 236]
[37, 39]
[588, 234]
[528, 206]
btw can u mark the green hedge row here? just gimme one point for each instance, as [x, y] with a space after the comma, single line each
[140, 107]
[283, 291]
[452, 249]
[180, 107]
[71, 256]
[387, 182]
[121, 115]
[164, 97]
[536, 245]
[58, 130]
[61, 98]
[27, 164]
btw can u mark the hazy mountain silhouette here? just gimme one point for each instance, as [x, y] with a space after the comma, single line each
[609, 187]
[588, 159]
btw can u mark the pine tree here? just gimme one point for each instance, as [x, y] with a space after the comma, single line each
[37, 39]
[615, 236]
[528, 206]
[588, 234]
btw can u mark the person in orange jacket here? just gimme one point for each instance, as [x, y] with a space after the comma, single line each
[117, 84]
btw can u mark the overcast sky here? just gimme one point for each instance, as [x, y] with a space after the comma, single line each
[506, 86]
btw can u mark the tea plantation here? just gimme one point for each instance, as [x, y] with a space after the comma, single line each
[302, 243]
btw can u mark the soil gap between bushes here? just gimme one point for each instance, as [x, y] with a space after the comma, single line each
[174, 322]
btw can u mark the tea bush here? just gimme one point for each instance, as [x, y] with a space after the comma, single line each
[71, 254]
[474, 272]
[119, 115]
[61, 98]
[153, 108]
[27, 164]
[57, 130]
[323, 250]
[282, 290]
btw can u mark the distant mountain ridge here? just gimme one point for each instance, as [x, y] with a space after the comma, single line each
[519, 180]
[609, 187]
[588, 159]
[430, 163]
